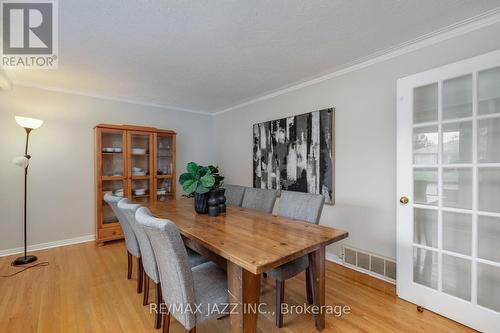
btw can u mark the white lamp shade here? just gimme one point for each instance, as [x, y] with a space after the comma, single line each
[21, 161]
[29, 122]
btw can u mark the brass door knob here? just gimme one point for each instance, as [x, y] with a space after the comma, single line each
[404, 200]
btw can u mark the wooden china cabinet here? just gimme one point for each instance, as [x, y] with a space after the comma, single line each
[135, 162]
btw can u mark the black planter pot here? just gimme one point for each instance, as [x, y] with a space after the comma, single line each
[213, 203]
[201, 203]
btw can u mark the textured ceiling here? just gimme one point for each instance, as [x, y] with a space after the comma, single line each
[208, 55]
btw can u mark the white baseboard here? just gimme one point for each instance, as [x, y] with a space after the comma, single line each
[43, 246]
[336, 259]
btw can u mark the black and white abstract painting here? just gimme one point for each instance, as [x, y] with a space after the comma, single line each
[296, 154]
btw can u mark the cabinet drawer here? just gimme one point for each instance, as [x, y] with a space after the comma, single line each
[110, 233]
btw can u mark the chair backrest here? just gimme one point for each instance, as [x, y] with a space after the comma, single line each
[260, 199]
[173, 266]
[234, 194]
[128, 232]
[301, 206]
[148, 259]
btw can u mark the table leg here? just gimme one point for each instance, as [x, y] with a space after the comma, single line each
[244, 291]
[317, 268]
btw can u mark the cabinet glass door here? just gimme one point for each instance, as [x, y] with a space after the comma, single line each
[165, 166]
[117, 188]
[140, 160]
[111, 155]
[449, 168]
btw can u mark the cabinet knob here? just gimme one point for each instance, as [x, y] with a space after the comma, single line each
[114, 233]
[404, 200]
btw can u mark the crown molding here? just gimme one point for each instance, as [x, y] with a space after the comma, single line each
[105, 97]
[461, 28]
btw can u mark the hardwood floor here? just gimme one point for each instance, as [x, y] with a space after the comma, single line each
[85, 289]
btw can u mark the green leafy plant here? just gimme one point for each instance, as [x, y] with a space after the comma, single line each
[200, 179]
[219, 180]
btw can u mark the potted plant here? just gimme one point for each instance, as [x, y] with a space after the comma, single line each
[198, 181]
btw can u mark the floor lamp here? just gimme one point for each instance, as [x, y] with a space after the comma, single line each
[28, 124]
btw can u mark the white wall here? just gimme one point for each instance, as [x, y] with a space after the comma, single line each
[61, 185]
[365, 102]
[61, 176]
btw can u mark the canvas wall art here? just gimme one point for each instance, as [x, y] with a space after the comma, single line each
[296, 154]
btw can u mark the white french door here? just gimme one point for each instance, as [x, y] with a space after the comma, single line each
[448, 221]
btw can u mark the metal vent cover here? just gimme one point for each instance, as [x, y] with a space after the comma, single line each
[370, 263]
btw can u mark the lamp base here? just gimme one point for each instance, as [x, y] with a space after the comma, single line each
[24, 260]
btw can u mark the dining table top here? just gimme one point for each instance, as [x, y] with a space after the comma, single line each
[255, 240]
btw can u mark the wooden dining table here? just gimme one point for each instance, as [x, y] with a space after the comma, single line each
[247, 243]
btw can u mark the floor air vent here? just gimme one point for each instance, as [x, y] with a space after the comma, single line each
[370, 263]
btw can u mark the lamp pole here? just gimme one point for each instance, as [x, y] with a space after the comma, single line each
[27, 258]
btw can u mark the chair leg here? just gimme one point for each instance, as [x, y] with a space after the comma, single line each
[309, 290]
[158, 303]
[140, 271]
[166, 321]
[145, 299]
[280, 298]
[129, 266]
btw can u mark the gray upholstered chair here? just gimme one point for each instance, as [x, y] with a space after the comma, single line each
[204, 286]
[259, 199]
[131, 242]
[234, 194]
[299, 206]
[148, 259]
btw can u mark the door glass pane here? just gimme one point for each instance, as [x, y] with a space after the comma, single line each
[457, 232]
[489, 189]
[457, 97]
[488, 140]
[425, 267]
[425, 145]
[489, 238]
[489, 91]
[425, 227]
[425, 186]
[457, 188]
[457, 142]
[457, 277]
[488, 292]
[425, 104]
